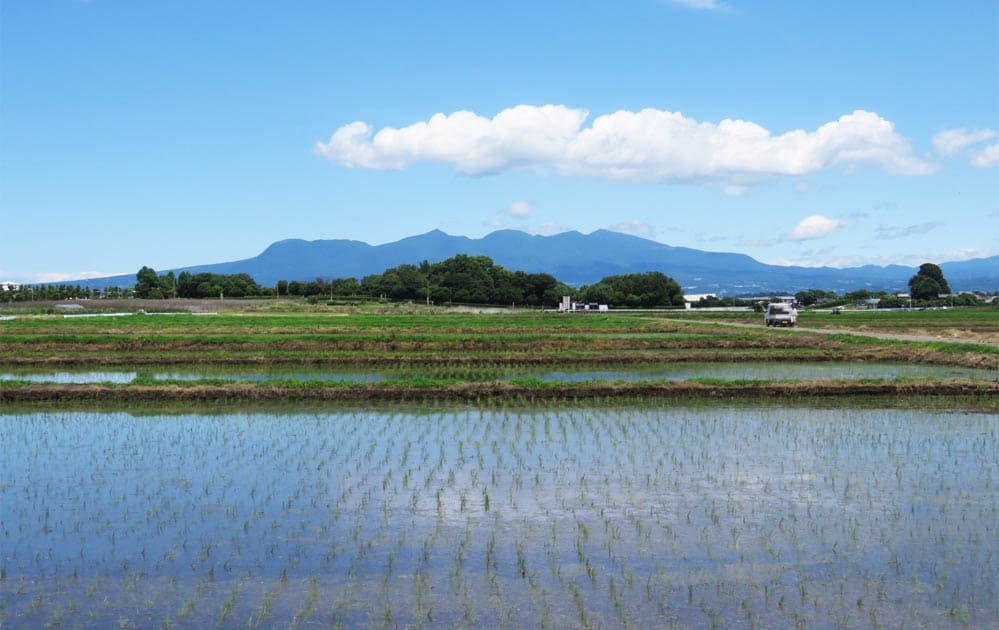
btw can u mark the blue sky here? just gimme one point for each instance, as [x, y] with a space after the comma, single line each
[186, 132]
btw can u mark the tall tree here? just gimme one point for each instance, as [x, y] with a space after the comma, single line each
[928, 283]
[147, 280]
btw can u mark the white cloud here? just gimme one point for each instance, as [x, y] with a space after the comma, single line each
[635, 227]
[710, 5]
[815, 226]
[733, 190]
[519, 209]
[986, 158]
[950, 142]
[521, 136]
[953, 255]
[549, 228]
[811, 227]
[650, 145]
[759, 242]
[42, 277]
[892, 233]
[828, 258]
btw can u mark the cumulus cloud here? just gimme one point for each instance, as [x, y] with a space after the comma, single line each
[950, 142]
[892, 233]
[521, 136]
[519, 210]
[987, 158]
[815, 226]
[650, 145]
[810, 228]
[635, 227]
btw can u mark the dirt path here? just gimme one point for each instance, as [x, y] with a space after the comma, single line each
[847, 331]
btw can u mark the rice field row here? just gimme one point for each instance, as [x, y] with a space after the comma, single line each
[443, 338]
[576, 517]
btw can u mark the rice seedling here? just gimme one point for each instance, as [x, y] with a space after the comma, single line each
[565, 516]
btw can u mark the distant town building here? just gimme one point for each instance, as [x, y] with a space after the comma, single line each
[568, 306]
[689, 299]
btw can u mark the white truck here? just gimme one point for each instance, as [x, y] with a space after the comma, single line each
[780, 314]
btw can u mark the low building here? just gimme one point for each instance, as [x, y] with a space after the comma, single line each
[568, 306]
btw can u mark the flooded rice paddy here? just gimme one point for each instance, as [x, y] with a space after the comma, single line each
[683, 371]
[580, 517]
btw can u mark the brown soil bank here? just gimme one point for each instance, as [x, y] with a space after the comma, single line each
[637, 358]
[983, 392]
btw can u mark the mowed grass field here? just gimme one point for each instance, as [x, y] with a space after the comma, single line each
[452, 350]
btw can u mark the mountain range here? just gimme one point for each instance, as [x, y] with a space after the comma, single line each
[578, 259]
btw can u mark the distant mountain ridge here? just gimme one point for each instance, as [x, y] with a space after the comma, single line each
[578, 259]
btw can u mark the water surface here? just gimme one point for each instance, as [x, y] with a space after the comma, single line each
[762, 371]
[604, 517]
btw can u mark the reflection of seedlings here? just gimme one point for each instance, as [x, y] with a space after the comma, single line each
[577, 598]
[228, 604]
[763, 518]
[310, 602]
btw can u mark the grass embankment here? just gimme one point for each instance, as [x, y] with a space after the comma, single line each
[975, 394]
[462, 356]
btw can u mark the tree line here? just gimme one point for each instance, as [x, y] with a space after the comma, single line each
[928, 287]
[55, 292]
[153, 286]
[465, 279]
[461, 279]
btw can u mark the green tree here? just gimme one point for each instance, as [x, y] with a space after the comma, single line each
[813, 296]
[147, 280]
[345, 287]
[168, 285]
[928, 283]
[185, 287]
[636, 290]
